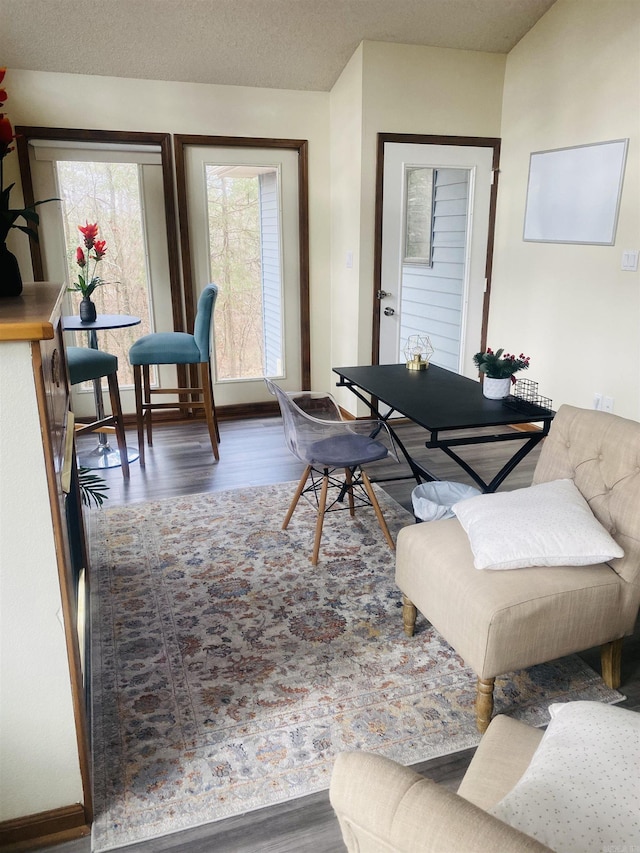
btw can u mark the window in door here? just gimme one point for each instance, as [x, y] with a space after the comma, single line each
[418, 214]
[432, 288]
[110, 194]
[435, 219]
[244, 253]
[122, 180]
[244, 226]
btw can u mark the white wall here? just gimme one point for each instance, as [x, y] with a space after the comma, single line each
[346, 180]
[110, 103]
[405, 89]
[574, 79]
[39, 767]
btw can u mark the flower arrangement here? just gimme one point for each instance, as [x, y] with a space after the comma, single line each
[96, 250]
[500, 364]
[9, 216]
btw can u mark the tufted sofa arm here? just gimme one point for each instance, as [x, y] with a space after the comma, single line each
[383, 807]
[600, 452]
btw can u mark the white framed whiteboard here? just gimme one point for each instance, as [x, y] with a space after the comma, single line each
[573, 194]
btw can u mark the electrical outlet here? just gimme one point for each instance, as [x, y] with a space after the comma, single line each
[607, 404]
[597, 400]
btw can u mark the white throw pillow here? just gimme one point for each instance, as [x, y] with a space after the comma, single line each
[550, 524]
[581, 791]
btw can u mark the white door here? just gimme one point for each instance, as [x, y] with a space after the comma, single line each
[435, 226]
[120, 187]
[243, 228]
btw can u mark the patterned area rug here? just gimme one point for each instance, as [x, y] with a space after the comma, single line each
[228, 671]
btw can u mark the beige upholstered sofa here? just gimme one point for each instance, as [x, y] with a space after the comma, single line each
[573, 789]
[384, 807]
[502, 621]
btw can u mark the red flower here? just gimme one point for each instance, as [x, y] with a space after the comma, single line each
[100, 249]
[95, 251]
[6, 131]
[89, 232]
[9, 215]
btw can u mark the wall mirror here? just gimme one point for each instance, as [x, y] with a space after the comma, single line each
[573, 195]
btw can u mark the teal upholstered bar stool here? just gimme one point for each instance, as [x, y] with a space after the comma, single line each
[91, 365]
[177, 348]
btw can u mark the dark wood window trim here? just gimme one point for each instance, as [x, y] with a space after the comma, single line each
[469, 141]
[299, 145]
[123, 137]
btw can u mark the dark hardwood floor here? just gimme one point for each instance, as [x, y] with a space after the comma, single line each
[252, 452]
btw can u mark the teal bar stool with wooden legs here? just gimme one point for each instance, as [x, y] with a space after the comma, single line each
[91, 365]
[177, 348]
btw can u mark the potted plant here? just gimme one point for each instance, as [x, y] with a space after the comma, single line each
[497, 371]
[92, 488]
[87, 283]
[10, 278]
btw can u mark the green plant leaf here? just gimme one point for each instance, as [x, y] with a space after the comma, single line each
[92, 488]
[29, 231]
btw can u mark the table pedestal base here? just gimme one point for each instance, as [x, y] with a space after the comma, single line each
[104, 456]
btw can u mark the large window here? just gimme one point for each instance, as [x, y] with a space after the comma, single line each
[243, 225]
[123, 181]
[243, 222]
[244, 252]
[110, 194]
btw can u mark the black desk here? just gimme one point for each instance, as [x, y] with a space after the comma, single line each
[439, 400]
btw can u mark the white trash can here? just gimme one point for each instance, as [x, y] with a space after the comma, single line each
[433, 501]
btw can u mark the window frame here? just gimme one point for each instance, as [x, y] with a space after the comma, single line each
[181, 142]
[25, 134]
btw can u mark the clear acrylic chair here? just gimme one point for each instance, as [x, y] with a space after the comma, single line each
[316, 433]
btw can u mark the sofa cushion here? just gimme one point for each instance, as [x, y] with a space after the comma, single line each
[550, 524]
[581, 790]
[502, 756]
[503, 621]
[600, 452]
[383, 807]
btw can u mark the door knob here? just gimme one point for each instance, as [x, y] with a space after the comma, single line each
[389, 312]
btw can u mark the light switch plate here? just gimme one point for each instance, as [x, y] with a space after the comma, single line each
[629, 260]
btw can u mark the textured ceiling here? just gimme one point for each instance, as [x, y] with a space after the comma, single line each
[284, 44]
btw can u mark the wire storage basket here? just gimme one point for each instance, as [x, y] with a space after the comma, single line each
[526, 398]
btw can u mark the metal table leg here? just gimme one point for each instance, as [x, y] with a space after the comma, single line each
[102, 456]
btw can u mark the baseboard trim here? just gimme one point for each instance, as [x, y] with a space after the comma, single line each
[44, 829]
[224, 413]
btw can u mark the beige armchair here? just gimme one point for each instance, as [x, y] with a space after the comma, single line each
[572, 788]
[383, 806]
[502, 621]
